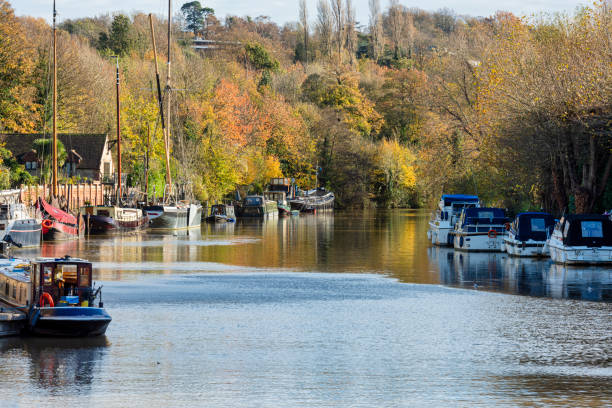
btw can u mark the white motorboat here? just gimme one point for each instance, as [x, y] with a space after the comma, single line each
[447, 214]
[480, 229]
[528, 234]
[582, 239]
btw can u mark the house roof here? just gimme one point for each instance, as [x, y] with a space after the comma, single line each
[88, 146]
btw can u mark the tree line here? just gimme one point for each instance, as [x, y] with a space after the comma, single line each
[393, 113]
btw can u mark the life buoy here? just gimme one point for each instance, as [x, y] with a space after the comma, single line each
[47, 224]
[492, 234]
[48, 298]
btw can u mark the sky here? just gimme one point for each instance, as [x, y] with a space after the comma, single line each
[281, 11]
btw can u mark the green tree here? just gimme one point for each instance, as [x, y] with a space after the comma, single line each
[196, 16]
[119, 40]
[43, 149]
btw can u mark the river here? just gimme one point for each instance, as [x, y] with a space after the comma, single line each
[342, 310]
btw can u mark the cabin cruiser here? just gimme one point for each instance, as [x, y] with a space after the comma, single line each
[102, 219]
[528, 234]
[480, 229]
[221, 213]
[446, 216]
[56, 295]
[258, 206]
[582, 239]
[22, 225]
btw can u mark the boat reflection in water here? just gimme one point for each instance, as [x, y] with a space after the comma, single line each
[60, 363]
[522, 276]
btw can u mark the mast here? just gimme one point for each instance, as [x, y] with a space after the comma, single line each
[168, 92]
[54, 142]
[160, 100]
[118, 136]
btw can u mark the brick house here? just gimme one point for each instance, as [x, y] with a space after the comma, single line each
[88, 155]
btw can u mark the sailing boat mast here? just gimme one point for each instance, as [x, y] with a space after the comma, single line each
[54, 147]
[161, 104]
[118, 137]
[168, 92]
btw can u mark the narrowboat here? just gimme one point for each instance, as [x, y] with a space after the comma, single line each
[446, 216]
[22, 225]
[528, 234]
[257, 206]
[58, 225]
[480, 229]
[584, 239]
[221, 213]
[56, 294]
[104, 219]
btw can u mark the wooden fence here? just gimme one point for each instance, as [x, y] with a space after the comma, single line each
[71, 196]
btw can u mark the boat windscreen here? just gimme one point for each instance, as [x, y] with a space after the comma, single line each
[591, 229]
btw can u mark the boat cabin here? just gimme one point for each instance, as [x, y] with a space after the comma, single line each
[222, 209]
[68, 281]
[594, 231]
[451, 205]
[536, 226]
[483, 220]
[278, 196]
[117, 213]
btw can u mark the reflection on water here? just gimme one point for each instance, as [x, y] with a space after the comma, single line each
[343, 310]
[54, 365]
[522, 276]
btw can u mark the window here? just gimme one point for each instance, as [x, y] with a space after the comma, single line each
[485, 214]
[592, 229]
[538, 225]
[34, 165]
[47, 275]
[28, 165]
[107, 169]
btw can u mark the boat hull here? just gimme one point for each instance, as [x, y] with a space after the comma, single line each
[178, 218]
[11, 324]
[530, 248]
[580, 255]
[477, 242]
[98, 224]
[27, 233]
[68, 321]
[439, 235]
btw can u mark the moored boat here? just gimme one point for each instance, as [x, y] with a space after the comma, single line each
[104, 219]
[56, 294]
[181, 215]
[280, 197]
[313, 200]
[258, 206]
[58, 225]
[447, 214]
[21, 224]
[584, 239]
[528, 234]
[480, 229]
[221, 213]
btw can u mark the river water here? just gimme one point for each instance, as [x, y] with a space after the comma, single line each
[343, 310]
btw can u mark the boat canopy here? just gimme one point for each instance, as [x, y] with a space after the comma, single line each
[449, 199]
[58, 214]
[489, 216]
[537, 226]
[592, 230]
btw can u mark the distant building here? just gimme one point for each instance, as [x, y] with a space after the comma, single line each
[88, 155]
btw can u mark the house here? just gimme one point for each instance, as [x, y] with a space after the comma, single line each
[88, 155]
